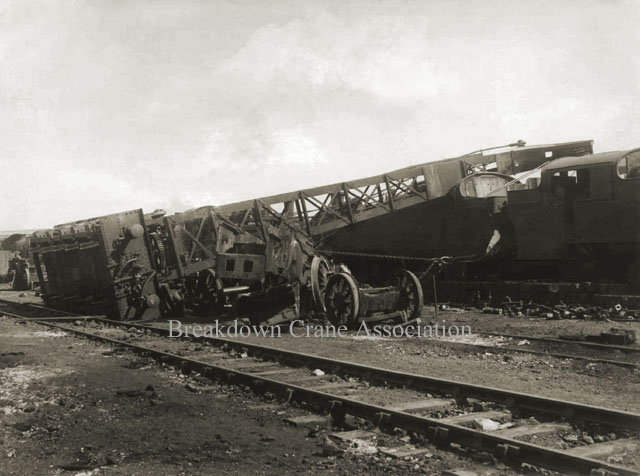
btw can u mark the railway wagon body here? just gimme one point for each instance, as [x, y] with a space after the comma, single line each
[102, 264]
[582, 218]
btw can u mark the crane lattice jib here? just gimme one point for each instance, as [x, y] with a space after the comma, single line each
[316, 212]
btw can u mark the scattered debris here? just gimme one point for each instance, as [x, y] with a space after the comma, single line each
[148, 392]
[560, 311]
[201, 388]
[486, 424]
[26, 335]
[361, 448]
[330, 448]
[307, 420]
[614, 337]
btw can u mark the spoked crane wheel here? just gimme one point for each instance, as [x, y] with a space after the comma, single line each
[320, 272]
[411, 299]
[342, 300]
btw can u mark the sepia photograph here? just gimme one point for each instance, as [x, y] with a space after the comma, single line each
[319, 237]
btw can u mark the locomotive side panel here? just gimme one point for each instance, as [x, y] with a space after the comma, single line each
[583, 220]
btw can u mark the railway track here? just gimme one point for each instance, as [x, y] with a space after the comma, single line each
[589, 345]
[591, 352]
[619, 355]
[533, 430]
[507, 343]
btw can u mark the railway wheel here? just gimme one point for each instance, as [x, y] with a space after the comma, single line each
[411, 299]
[342, 300]
[210, 291]
[171, 302]
[320, 272]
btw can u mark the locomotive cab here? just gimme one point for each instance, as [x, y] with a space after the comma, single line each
[583, 219]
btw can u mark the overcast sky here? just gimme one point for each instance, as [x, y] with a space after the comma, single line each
[112, 105]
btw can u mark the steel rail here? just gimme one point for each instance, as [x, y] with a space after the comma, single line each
[49, 318]
[592, 345]
[631, 365]
[438, 432]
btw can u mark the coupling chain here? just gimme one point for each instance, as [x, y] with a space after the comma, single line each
[382, 256]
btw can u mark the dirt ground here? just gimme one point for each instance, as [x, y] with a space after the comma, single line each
[70, 406]
[19, 296]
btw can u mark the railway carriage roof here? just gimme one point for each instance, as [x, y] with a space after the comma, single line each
[586, 160]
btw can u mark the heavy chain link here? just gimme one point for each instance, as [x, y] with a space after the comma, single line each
[443, 259]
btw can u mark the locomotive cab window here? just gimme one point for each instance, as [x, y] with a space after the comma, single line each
[571, 184]
[629, 166]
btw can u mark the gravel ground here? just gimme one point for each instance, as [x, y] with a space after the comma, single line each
[531, 326]
[580, 381]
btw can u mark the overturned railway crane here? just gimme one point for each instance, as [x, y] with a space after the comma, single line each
[134, 266]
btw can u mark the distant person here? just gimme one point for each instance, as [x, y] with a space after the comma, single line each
[21, 277]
